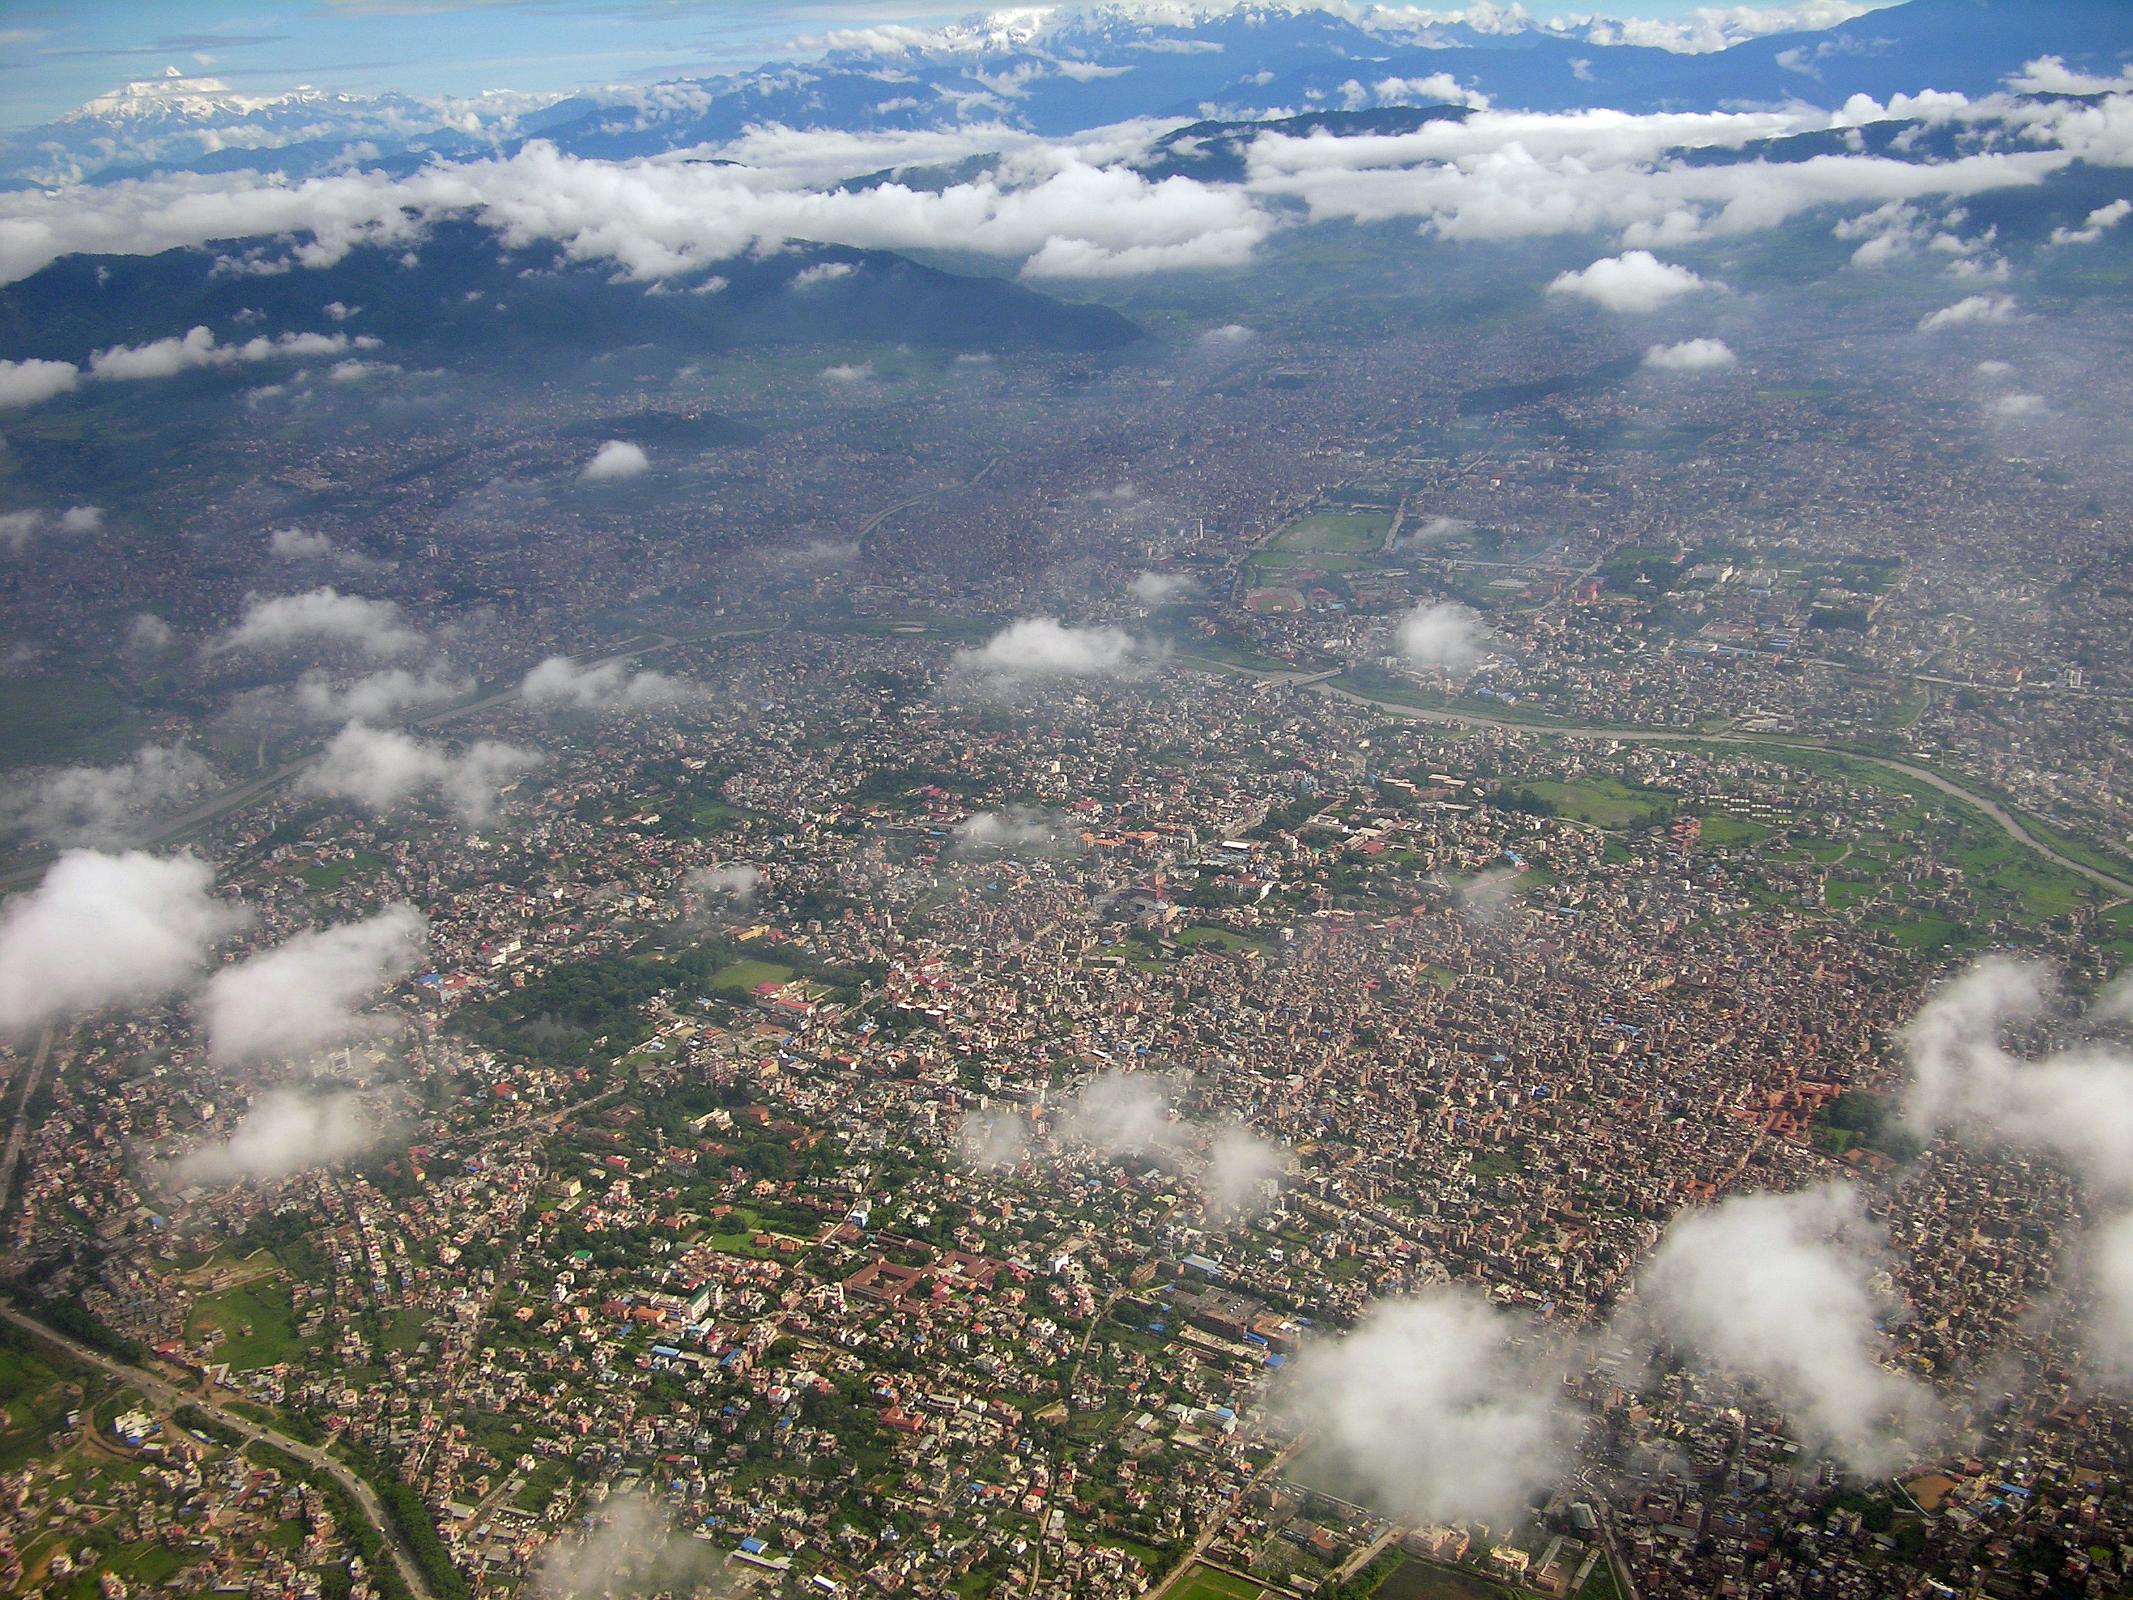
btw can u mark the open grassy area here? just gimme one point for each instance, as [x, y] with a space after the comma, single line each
[1206, 1583]
[1341, 532]
[332, 874]
[1426, 1580]
[1723, 831]
[258, 1323]
[739, 977]
[1603, 802]
[1224, 939]
[38, 1387]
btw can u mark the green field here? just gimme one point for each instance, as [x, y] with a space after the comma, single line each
[1338, 532]
[1426, 1580]
[1221, 938]
[1603, 802]
[257, 1320]
[1723, 831]
[740, 977]
[332, 874]
[63, 719]
[1207, 1583]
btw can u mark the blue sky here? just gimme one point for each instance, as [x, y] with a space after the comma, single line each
[54, 54]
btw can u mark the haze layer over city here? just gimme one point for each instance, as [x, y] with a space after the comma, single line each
[1170, 798]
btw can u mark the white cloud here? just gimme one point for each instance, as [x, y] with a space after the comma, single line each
[301, 997]
[18, 528]
[1158, 588]
[1435, 1408]
[148, 633]
[654, 218]
[106, 805]
[27, 383]
[560, 682]
[294, 544]
[324, 615]
[197, 347]
[1241, 1171]
[2096, 224]
[617, 458]
[381, 768]
[820, 273]
[2051, 75]
[1775, 1288]
[103, 930]
[2019, 405]
[2075, 1104]
[1042, 647]
[1442, 634]
[1018, 830]
[1636, 280]
[1691, 355]
[376, 695]
[283, 1131]
[849, 372]
[2111, 1319]
[994, 1139]
[1976, 310]
[733, 881]
[1121, 1114]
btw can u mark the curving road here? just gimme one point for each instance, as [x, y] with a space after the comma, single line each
[170, 1397]
[2006, 820]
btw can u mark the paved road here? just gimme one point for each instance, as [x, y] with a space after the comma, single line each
[170, 1397]
[2006, 820]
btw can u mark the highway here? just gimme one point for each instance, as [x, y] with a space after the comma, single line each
[169, 1397]
[2007, 821]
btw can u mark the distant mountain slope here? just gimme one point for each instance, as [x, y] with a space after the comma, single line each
[1086, 69]
[468, 295]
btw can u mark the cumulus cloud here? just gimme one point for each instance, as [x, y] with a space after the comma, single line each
[301, 997]
[1240, 1172]
[2075, 1103]
[1158, 588]
[295, 544]
[617, 458]
[2051, 75]
[2095, 225]
[1691, 355]
[1016, 831]
[631, 1548]
[322, 615]
[560, 683]
[1043, 647]
[2111, 1318]
[1444, 634]
[198, 347]
[28, 383]
[148, 633]
[846, 373]
[2019, 405]
[1971, 311]
[1063, 215]
[1635, 280]
[1436, 1408]
[380, 769]
[376, 695]
[1775, 1288]
[731, 881]
[1121, 1114]
[283, 1131]
[820, 273]
[994, 1139]
[105, 805]
[18, 528]
[103, 930]
[1433, 530]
